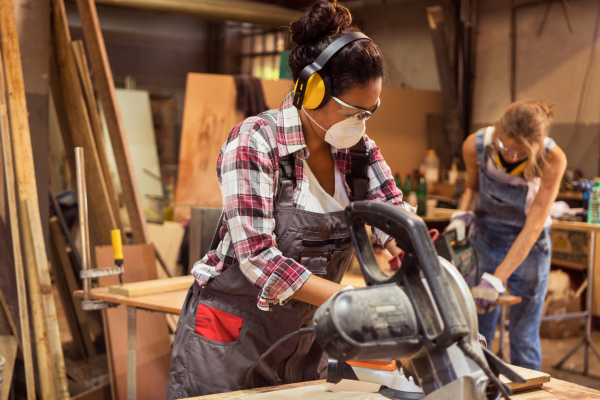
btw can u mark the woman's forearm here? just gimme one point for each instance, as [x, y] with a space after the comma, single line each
[518, 252]
[316, 290]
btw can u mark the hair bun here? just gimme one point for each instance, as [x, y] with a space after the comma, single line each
[547, 107]
[323, 18]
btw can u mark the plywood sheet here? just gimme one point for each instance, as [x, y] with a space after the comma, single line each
[399, 128]
[136, 112]
[167, 238]
[8, 350]
[153, 344]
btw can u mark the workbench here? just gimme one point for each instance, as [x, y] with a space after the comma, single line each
[553, 390]
[166, 302]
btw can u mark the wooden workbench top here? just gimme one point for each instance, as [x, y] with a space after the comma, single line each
[555, 389]
[172, 301]
[575, 226]
[168, 302]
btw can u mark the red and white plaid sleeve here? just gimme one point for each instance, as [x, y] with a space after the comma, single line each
[246, 169]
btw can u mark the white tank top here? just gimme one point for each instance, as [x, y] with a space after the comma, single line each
[321, 202]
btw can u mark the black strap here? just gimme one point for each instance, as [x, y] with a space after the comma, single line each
[357, 177]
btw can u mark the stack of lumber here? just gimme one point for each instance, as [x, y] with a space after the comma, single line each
[32, 266]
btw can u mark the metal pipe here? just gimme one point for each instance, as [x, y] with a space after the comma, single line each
[224, 10]
[83, 221]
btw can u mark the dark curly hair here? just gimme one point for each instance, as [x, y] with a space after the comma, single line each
[324, 21]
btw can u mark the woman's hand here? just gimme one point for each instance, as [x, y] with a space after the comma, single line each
[486, 293]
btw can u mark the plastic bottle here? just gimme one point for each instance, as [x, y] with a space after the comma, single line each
[594, 208]
[453, 173]
[432, 167]
[421, 196]
[398, 180]
[408, 184]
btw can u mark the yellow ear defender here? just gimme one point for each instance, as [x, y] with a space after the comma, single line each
[313, 87]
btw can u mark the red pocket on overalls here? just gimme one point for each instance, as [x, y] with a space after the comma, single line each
[217, 325]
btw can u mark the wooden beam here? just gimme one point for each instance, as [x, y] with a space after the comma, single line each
[230, 10]
[9, 178]
[8, 350]
[42, 345]
[92, 107]
[102, 218]
[106, 89]
[41, 263]
[153, 286]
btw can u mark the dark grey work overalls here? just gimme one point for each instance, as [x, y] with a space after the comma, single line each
[321, 242]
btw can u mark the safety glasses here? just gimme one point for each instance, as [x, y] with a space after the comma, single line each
[509, 152]
[361, 113]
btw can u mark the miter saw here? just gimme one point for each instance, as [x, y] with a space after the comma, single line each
[424, 314]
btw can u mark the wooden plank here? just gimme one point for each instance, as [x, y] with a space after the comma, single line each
[61, 114]
[64, 270]
[169, 302]
[101, 392]
[22, 148]
[153, 343]
[92, 107]
[533, 379]
[153, 286]
[209, 115]
[167, 238]
[102, 217]
[106, 90]
[8, 350]
[42, 346]
[36, 252]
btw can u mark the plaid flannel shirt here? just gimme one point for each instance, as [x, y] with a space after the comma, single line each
[247, 168]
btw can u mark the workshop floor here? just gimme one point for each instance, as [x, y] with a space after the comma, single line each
[553, 350]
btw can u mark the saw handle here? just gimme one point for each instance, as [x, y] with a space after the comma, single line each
[440, 323]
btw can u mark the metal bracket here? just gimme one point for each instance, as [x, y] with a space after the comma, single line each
[90, 305]
[99, 272]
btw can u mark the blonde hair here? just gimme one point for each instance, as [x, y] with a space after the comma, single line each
[527, 122]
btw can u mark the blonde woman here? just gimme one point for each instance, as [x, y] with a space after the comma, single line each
[513, 175]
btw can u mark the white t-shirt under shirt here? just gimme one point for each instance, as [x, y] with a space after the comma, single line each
[321, 202]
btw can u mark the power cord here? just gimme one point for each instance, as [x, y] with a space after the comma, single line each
[468, 351]
[301, 331]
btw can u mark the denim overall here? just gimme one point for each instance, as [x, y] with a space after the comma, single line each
[500, 217]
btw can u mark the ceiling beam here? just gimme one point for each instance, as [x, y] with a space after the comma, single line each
[224, 10]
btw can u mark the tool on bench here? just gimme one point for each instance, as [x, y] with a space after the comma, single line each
[424, 313]
[87, 273]
[460, 253]
[117, 245]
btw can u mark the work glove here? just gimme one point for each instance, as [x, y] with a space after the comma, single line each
[486, 293]
[460, 221]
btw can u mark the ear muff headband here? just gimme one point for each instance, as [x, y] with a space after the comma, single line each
[313, 87]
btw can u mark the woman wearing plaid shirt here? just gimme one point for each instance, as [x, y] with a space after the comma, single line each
[284, 244]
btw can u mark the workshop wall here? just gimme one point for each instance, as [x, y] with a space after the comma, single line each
[551, 64]
[400, 28]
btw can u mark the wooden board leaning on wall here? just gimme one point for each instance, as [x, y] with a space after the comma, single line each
[399, 128]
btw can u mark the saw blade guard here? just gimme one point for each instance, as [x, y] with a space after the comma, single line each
[438, 314]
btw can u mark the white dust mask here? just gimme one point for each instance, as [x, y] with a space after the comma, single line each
[344, 134]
